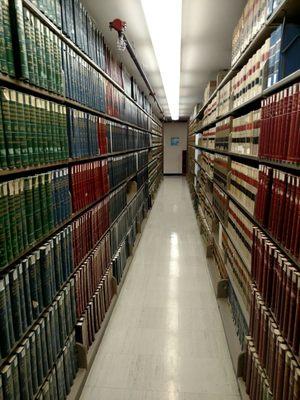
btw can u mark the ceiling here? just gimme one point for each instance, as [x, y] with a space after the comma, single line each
[207, 27]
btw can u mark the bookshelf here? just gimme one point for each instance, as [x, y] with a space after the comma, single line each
[230, 157]
[68, 156]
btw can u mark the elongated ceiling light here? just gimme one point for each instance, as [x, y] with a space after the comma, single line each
[164, 23]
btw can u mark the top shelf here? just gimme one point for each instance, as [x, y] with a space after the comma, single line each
[74, 47]
[287, 8]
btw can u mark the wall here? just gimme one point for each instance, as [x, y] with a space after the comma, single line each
[173, 154]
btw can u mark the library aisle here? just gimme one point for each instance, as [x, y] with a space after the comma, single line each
[165, 338]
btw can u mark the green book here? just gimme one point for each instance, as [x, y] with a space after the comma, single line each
[15, 303]
[3, 160]
[28, 128]
[3, 226]
[6, 219]
[53, 333]
[15, 132]
[56, 323]
[5, 344]
[37, 215]
[40, 132]
[34, 126]
[45, 265]
[69, 325]
[13, 219]
[27, 294]
[25, 324]
[7, 382]
[49, 202]
[54, 131]
[45, 361]
[3, 63]
[29, 45]
[9, 309]
[64, 132]
[7, 123]
[8, 38]
[36, 76]
[36, 306]
[33, 362]
[39, 354]
[18, 214]
[45, 138]
[18, 22]
[60, 379]
[62, 318]
[49, 340]
[60, 84]
[39, 278]
[13, 361]
[23, 212]
[21, 356]
[43, 203]
[22, 129]
[49, 132]
[26, 344]
[29, 204]
[67, 371]
[46, 391]
[48, 58]
[73, 301]
[40, 53]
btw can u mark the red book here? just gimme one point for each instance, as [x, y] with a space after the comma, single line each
[293, 153]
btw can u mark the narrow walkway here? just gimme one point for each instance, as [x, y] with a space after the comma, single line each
[165, 339]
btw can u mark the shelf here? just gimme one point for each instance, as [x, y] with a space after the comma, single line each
[30, 89]
[255, 161]
[74, 47]
[287, 8]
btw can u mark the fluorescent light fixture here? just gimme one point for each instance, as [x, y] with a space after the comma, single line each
[164, 23]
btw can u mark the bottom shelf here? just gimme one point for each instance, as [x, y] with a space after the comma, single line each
[82, 373]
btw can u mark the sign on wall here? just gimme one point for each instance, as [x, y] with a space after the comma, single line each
[175, 141]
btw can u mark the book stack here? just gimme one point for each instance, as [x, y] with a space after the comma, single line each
[30, 208]
[117, 202]
[83, 133]
[221, 170]
[120, 168]
[277, 207]
[89, 182]
[33, 131]
[208, 138]
[142, 177]
[122, 137]
[94, 313]
[39, 50]
[88, 230]
[279, 123]
[32, 360]
[248, 83]
[220, 203]
[224, 100]
[240, 231]
[237, 316]
[6, 47]
[207, 163]
[90, 274]
[238, 272]
[209, 89]
[245, 133]
[210, 112]
[243, 184]
[223, 129]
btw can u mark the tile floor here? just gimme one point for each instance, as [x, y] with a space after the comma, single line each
[165, 339]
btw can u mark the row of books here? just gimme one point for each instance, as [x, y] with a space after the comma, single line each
[278, 283]
[121, 137]
[30, 287]
[30, 363]
[117, 202]
[33, 131]
[207, 139]
[271, 350]
[90, 274]
[92, 318]
[240, 230]
[121, 167]
[245, 136]
[237, 316]
[277, 207]
[252, 19]
[240, 274]
[89, 182]
[88, 230]
[220, 203]
[221, 170]
[243, 185]
[30, 208]
[279, 136]
[275, 60]
[51, 8]
[59, 381]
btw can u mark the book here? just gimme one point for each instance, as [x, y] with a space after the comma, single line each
[223, 129]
